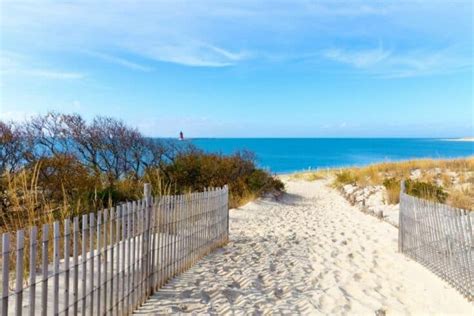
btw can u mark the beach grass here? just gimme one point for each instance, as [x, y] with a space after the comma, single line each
[429, 177]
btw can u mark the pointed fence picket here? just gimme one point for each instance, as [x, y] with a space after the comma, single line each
[441, 238]
[109, 262]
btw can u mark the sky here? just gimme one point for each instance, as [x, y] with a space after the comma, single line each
[373, 68]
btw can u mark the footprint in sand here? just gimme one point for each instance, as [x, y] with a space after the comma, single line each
[205, 297]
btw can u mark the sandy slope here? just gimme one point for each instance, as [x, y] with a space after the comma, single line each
[309, 253]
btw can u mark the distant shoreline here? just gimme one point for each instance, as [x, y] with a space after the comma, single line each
[462, 139]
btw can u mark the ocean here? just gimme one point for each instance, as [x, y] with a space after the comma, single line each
[285, 155]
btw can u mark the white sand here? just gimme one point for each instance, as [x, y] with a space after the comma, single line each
[309, 253]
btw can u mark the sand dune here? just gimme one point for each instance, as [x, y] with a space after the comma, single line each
[309, 253]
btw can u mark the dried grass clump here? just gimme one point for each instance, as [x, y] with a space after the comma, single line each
[463, 198]
[392, 186]
[311, 175]
[24, 204]
[346, 176]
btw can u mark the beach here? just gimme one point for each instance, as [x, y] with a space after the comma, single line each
[307, 252]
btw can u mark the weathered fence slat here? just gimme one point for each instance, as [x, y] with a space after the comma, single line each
[56, 237]
[32, 281]
[75, 263]
[129, 248]
[110, 263]
[159, 206]
[101, 262]
[123, 293]
[92, 227]
[20, 242]
[181, 235]
[5, 271]
[142, 254]
[152, 246]
[67, 229]
[133, 232]
[439, 237]
[44, 271]
[115, 276]
[84, 264]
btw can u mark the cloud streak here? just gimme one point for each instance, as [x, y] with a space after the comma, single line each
[385, 63]
[190, 54]
[119, 61]
[358, 59]
[51, 74]
[16, 64]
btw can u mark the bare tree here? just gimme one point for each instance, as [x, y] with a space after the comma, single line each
[104, 146]
[48, 135]
[13, 149]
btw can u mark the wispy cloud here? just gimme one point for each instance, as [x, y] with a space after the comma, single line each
[17, 64]
[351, 9]
[228, 54]
[190, 53]
[359, 59]
[391, 64]
[419, 63]
[50, 74]
[119, 61]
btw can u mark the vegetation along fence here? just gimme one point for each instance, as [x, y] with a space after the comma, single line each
[441, 238]
[109, 262]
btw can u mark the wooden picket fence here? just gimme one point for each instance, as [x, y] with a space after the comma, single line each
[110, 261]
[441, 238]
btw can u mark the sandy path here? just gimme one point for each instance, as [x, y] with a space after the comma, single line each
[309, 253]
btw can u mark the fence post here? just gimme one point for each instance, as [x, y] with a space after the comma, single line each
[44, 269]
[148, 268]
[400, 217]
[67, 257]
[75, 264]
[56, 236]
[33, 246]
[227, 210]
[20, 244]
[5, 271]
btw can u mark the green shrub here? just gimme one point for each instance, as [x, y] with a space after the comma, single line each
[390, 183]
[426, 190]
[196, 170]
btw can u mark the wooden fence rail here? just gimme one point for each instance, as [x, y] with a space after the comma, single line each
[110, 261]
[441, 238]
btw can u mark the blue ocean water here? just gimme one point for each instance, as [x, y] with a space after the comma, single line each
[282, 155]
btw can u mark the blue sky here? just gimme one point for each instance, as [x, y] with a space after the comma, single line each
[244, 68]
